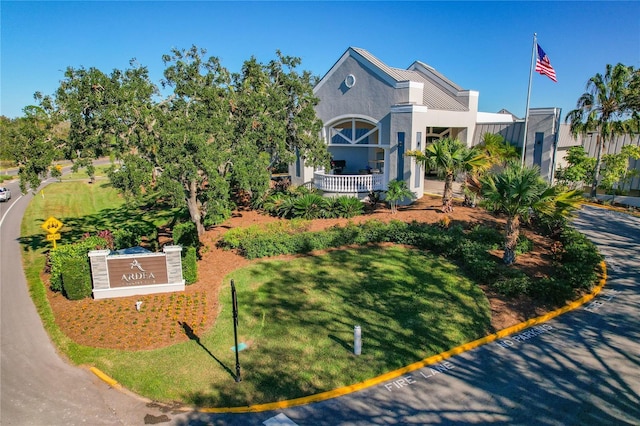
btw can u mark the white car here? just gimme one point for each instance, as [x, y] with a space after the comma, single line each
[5, 194]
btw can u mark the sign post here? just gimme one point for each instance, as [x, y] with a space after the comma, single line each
[52, 226]
[234, 299]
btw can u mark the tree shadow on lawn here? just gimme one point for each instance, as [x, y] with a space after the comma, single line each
[114, 219]
[391, 302]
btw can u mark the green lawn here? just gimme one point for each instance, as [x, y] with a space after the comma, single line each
[297, 317]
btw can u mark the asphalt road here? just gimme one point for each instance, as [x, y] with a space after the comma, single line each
[38, 387]
[580, 368]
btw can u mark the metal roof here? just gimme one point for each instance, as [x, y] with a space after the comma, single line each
[434, 95]
[565, 138]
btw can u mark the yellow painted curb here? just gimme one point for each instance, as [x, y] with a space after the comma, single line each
[108, 380]
[396, 373]
[417, 365]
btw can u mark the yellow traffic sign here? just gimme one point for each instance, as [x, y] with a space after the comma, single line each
[52, 225]
[53, 237]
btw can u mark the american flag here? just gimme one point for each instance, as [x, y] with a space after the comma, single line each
[543, 65]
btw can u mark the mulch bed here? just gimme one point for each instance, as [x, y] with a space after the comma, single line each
[164, 318]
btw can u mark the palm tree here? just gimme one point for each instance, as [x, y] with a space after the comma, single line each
[602, 109]
[449, 157]
[498, 153]
[497, 150]
[397, 190]
[520, 191]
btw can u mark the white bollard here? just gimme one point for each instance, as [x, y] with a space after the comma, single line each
[357, 340]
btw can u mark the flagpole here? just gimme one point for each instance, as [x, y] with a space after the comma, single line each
[526, 117]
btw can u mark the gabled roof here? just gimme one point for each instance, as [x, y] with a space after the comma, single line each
[506, 111]
[439, 92]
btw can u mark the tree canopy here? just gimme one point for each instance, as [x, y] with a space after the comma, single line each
[579, 168]
[615, 168]
[605, 109]
[200, 137]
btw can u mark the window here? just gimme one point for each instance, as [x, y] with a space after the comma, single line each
[354, 132]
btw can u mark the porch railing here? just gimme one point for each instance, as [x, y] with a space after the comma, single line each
[348, 183]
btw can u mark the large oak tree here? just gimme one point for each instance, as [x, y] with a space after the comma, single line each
[207, 136]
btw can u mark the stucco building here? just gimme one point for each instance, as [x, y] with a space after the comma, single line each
[374, 113]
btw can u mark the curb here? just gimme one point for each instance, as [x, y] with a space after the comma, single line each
[396, 373]
[108, 380]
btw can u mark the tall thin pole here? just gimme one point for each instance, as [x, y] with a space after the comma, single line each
[234, 301]
[526, 117]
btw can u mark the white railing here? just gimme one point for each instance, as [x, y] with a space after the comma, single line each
[348, 183]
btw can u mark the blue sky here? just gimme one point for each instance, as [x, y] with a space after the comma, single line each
[483, 46]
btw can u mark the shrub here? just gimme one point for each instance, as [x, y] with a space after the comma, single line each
[186, 234]
[373, 199]
[444, 222]
[311, 206]
[436, 239]
[65, 254]
[268, 244]
[512, 284]
[399, 232]
[126, 237]
[309, 241]
[578, 266]
[76, 278]
[286, 208]
[550, 226]
[374, 231]
[524, 245]
[190, 265]
[492, 237]
[579, 259]
[217, 212]
[235, 237]
[550, 289]
[108, 238]
[347, 207]
[476, 260]
[272, 202]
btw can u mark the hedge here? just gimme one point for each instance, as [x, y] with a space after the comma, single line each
[76, 278]
[577, 268]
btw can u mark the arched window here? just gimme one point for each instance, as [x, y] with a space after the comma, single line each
[354, 131]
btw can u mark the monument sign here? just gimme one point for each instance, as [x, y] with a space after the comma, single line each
[120, 275]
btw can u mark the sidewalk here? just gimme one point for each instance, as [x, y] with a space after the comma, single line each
[620, 199]
[436, 187]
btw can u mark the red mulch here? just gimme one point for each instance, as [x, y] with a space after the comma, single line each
[161, 321]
